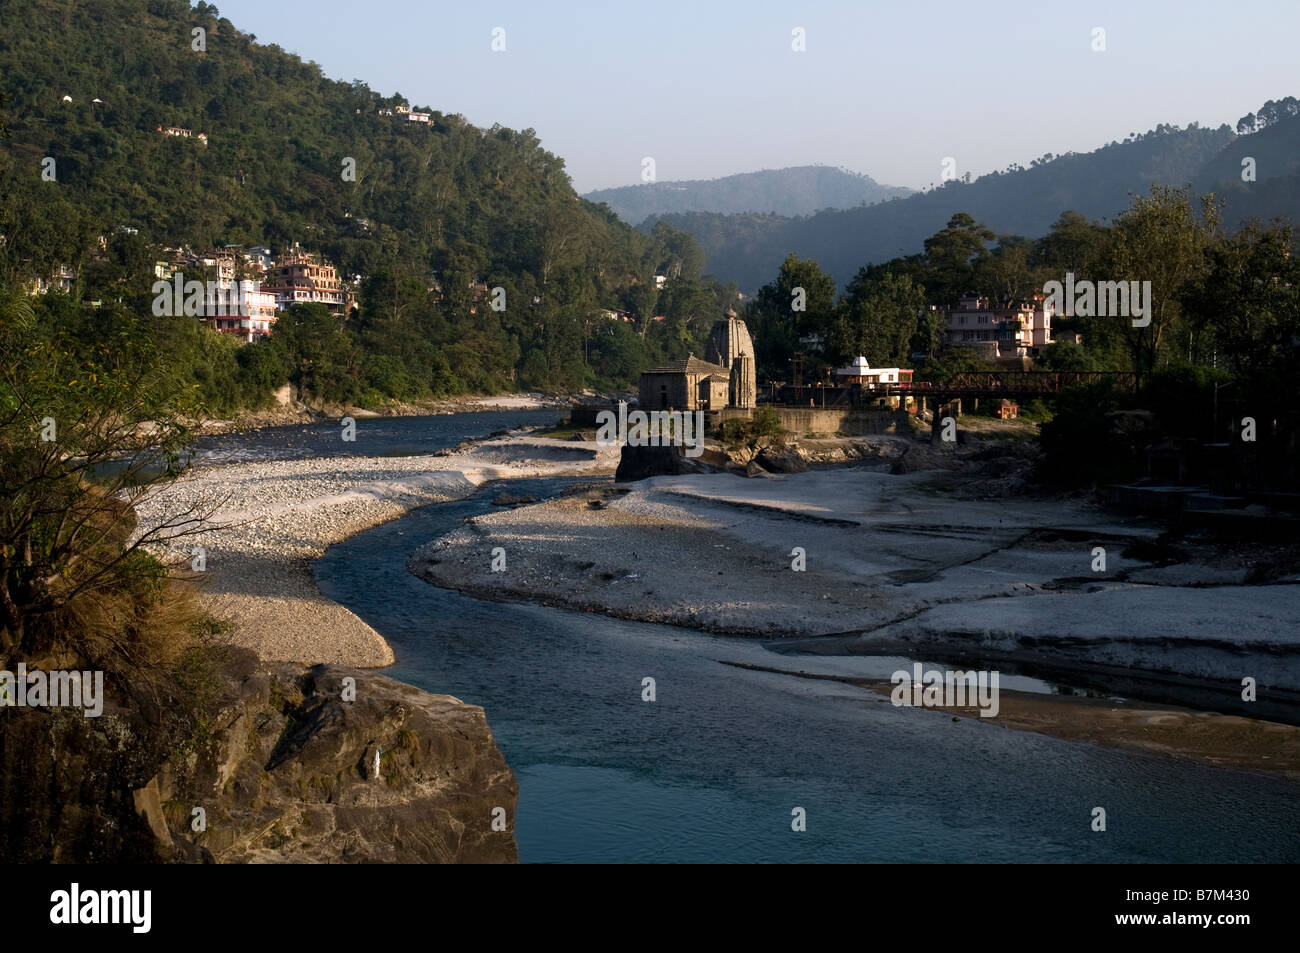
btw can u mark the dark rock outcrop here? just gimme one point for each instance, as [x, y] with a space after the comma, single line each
[785, 460]
[281, 768]
[638, 463]
[289, 775]
[68, 784]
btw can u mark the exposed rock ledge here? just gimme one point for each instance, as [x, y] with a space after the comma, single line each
[283, 771]
[289, 775]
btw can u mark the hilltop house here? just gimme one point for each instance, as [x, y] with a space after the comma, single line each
[61, 278]
[183, 133]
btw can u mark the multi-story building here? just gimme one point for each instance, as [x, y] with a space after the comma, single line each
[61, 278]
[1019, 331]
[302, 278]
[239, 308]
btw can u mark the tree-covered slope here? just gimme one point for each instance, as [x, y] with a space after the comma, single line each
[87, 90]
[279, 133]
[1024, 201]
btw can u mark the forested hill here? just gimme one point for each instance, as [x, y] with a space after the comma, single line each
[748, 249]
[800, 190]
[88, 89]
[278, 135]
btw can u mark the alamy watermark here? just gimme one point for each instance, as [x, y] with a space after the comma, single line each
[656, 428]
[58, 689]
[130, 907]
[194, 298]
[946, 689]
[1101, 299]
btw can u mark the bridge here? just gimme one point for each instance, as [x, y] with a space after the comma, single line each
[1012, 385]
[1021, 385]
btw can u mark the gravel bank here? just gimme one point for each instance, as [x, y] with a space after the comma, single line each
[887, 559]
[269, 520]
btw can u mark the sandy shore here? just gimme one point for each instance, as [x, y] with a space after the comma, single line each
[271, 519]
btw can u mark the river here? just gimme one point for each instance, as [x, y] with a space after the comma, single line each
[713, 768]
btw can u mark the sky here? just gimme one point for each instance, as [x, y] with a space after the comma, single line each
[890, 89]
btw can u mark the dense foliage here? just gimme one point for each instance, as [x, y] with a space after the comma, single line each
[432, 210]
[1224, 316]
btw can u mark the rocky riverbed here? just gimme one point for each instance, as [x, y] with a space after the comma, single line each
[879, 559]
[264, 522]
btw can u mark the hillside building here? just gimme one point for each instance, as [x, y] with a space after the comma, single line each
[240, 308]
[1020, 331]
[302, 278]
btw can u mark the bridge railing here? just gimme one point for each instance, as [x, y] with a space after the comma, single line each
[1011, 383]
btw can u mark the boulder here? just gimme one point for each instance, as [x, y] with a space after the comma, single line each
[638, 463]
[920, 457]
[782, 461]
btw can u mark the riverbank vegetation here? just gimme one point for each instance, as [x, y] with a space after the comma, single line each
[1222, 342]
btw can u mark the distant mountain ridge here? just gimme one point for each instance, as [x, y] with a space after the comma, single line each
[749, 248]
[798, 190]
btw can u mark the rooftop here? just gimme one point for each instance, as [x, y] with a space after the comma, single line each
[690, 365]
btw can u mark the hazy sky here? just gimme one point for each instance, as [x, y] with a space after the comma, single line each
[886, 88]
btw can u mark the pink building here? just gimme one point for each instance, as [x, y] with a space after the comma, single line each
[300, 278]
[1018, 331]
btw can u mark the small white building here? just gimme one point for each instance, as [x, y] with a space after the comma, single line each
[860, 372]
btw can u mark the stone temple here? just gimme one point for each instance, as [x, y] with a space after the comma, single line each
[726, 379]
[730, 346]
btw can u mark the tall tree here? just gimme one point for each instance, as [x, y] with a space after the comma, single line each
[1160, 239]
[878, 319]
[951, 255]
[799, 303]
